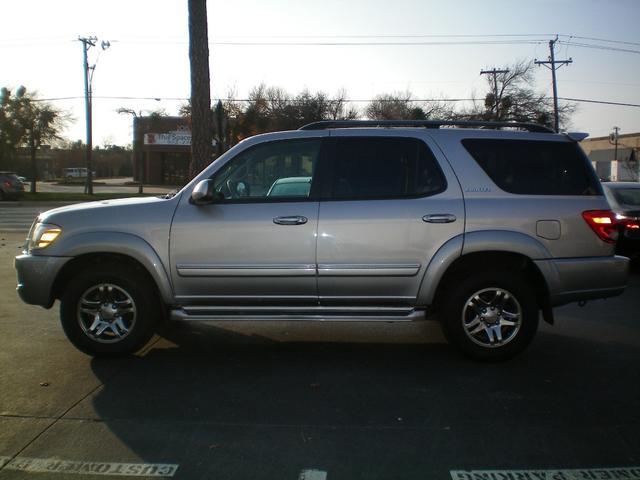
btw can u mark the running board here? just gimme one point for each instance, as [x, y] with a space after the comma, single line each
[321, 314]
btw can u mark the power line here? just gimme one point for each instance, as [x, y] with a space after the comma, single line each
[540, 37]
[603, 102]
[598, 47]
[362, 44]
[346, 100]
[622, 42]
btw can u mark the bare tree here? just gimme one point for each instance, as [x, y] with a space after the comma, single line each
[201, 117]
[394, 106]
[401, 106]
[339, 109]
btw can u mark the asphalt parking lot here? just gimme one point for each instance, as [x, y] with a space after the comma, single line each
[320, 401]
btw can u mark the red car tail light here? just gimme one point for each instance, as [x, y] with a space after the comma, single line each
[604, 223]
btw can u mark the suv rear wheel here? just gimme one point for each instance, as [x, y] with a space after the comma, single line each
[109, 312]
[490, 316]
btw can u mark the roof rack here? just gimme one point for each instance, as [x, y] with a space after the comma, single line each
[325, 124]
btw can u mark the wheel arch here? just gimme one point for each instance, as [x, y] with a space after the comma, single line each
[93, 249]
[495, 250]
[495, 261]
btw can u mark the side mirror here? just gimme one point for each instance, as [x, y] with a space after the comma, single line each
[204, 193]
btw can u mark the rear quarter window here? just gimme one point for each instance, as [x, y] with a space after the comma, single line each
[531, 167]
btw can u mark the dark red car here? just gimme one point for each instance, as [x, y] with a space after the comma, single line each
[624, 198]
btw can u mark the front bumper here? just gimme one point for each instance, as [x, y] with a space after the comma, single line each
[36, 274]
[575, 279]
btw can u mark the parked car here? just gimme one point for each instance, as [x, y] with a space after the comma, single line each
[10, 186]
[290, 187]
[479, 228]
[624, 198]
[76, 172]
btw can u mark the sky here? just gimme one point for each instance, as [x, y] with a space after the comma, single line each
[445, 44]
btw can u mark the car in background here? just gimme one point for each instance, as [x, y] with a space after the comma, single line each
[290, 187]
[76, 172]
[624, 198]
[10, 186]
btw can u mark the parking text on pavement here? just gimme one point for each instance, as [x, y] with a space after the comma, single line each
[628, 473]
[52, 465]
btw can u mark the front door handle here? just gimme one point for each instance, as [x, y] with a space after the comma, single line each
[439, 218]
[291, 220]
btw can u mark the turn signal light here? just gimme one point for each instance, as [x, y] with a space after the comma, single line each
[603, 223]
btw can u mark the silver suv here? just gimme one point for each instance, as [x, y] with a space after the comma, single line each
[483, 227]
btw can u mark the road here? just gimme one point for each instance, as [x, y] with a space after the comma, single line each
[320, 401]
[105, 185]
[18, 216]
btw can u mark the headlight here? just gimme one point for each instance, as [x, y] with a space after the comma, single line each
[42, 235]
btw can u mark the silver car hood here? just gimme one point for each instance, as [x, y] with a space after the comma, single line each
[95, 207]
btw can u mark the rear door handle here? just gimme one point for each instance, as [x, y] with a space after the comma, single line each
[291, 220]
[439, 218]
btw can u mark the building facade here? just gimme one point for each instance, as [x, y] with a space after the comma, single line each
[619, 164]
[161, 150]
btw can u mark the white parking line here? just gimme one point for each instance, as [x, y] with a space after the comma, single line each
[312, 475]
[54, 465]
[628, 473]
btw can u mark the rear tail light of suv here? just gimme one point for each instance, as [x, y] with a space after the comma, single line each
[603, 223]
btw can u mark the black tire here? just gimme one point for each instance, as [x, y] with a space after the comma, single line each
[115, 295]
[467, 308]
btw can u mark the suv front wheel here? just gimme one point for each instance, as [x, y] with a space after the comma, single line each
[110, 311]
[490, 315]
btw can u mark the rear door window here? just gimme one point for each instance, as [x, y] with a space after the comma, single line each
[383, 167]
[532, 167]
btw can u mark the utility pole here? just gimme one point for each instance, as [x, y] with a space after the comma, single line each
[551, 65]
[495, 73]
[614, 135]
[87, 43]
[613, 138]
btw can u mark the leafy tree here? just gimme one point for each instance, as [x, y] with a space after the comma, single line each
[10, 134]
[28, 122]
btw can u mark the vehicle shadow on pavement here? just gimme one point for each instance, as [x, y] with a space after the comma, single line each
[235, 406]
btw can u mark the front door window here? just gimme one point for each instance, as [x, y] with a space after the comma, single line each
[272, 171]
